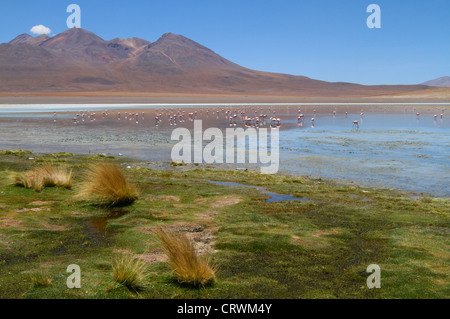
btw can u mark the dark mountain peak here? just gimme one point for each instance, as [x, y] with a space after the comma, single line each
[23, 38]
[170, 39]
[171, 35]
[80, 32]
[71, 38]
[174, 54]
[79, 45]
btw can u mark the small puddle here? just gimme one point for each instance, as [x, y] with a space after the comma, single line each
[98, 224]
[273, 197]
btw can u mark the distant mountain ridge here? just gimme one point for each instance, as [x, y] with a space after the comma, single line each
[439, 82]
[79, 60]
[28, 39]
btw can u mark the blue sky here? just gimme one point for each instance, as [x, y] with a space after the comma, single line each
[322, 39]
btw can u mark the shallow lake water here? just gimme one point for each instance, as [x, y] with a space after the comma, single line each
[389, 148]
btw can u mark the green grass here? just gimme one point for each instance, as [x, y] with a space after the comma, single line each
[317, 249]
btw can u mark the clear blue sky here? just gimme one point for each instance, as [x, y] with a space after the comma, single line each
[321, 39]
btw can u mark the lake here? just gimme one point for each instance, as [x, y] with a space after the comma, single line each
[390, 147]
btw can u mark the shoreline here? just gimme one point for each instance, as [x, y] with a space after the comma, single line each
[47, 108]
[163, 165]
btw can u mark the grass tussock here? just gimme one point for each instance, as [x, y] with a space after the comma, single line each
[44, 176]
[39, 279]
[129, 272]
[188, 267]
[106, 185]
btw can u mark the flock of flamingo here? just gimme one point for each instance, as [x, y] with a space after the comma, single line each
[255, 118]
[176, 117]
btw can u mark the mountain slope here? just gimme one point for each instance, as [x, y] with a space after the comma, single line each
[79, 60]
[439, 82]
[132, 45]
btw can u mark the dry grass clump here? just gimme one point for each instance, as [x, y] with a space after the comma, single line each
[39, 279]
[129, 272]
[105, 184]
[188, 267]
[44, 176]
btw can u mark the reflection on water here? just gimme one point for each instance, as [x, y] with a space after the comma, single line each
[387, 148]
[273, 197]
[98, 224]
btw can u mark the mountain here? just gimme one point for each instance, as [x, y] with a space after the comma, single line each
[22, 38]
[80, 45]
[78, 60]
[440, 82]
[28, 39]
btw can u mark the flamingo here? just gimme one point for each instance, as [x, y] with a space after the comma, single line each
[276, 122]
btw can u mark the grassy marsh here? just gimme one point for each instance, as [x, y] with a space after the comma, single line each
[296, 249]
